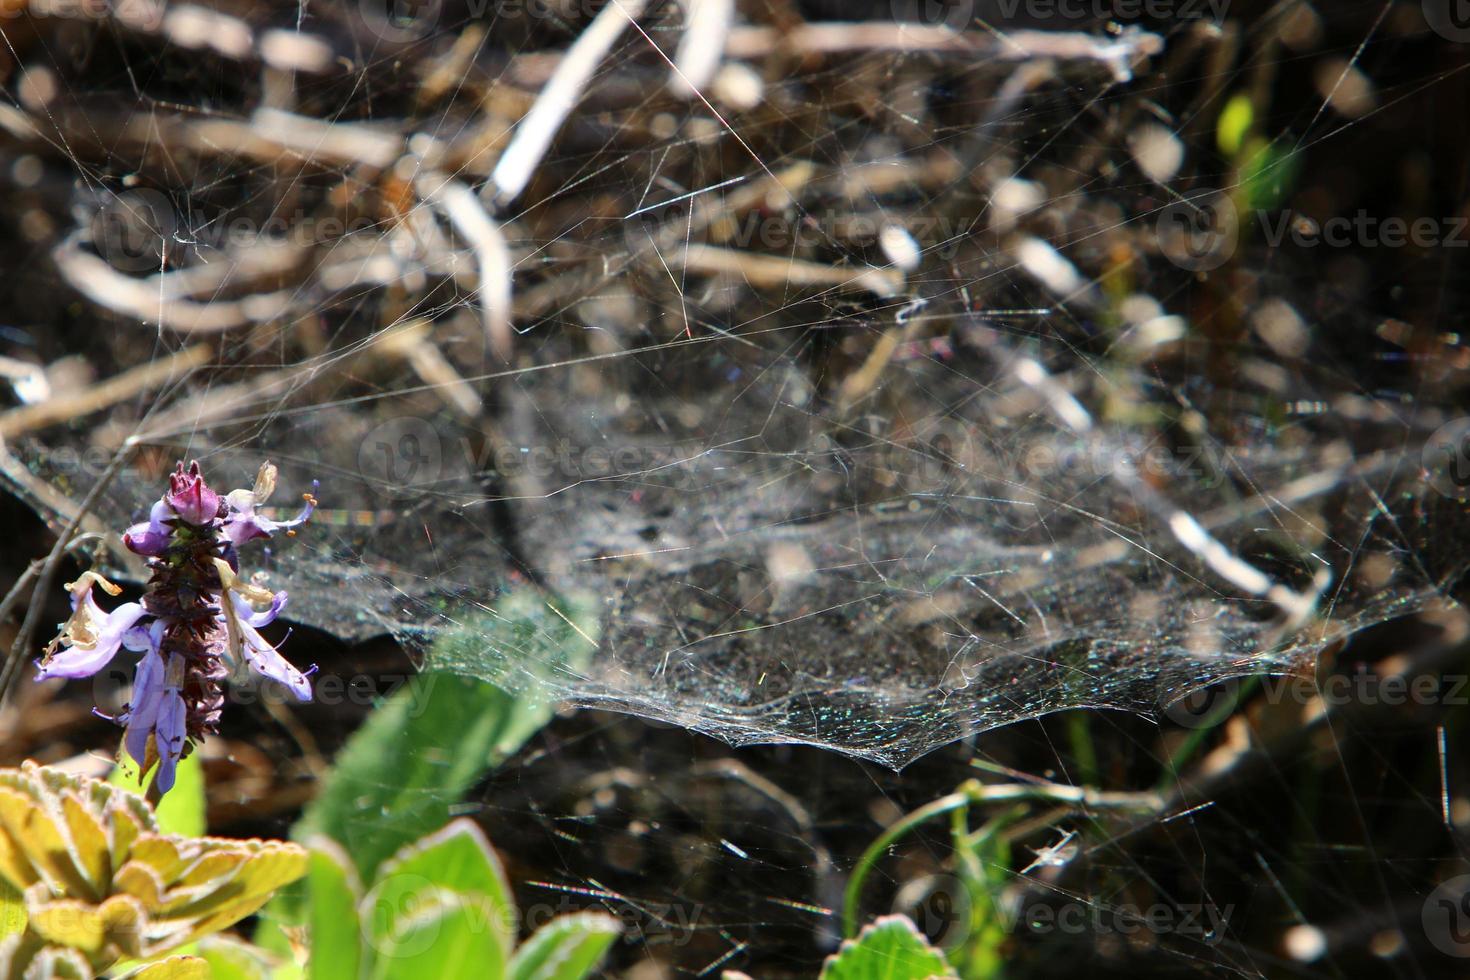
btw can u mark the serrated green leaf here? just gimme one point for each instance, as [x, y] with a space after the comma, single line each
[447, 936]
[401, 773]
[567, 948]
[333, 893]
[890, 948]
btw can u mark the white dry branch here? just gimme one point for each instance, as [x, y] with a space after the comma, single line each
[1296, 606]
[535, 132]
[163, 297]
[706, 25]
[492, 255]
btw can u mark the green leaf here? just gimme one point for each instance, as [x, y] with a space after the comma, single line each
[1267, 174]
[890, 948]
[173, 968]
[333, 893]
[182, 809]
[447, 936]
[12, 910]
[567, 948]
[457, 860]
[1234, 123]
[401, 773]
[231, 959]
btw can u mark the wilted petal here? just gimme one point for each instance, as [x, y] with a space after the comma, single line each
[89, 639]
[266, 616]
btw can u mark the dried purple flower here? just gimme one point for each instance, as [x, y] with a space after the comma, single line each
[196, 621]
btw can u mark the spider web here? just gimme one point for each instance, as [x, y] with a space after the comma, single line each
[827, 437]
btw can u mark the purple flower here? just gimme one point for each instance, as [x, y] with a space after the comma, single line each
[243, 524]
[197, 617]
[158, 711]
[151, 538]
[241, 622]
[91, 637]
[190, 497]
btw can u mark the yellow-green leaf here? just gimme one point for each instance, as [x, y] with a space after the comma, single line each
[1234, 124]
[231, 959]
[31, 829]
[890, 948]
[457, 859]
[566, 948]
[447, 937]
[275, 863]
[89, 842]
[173, 968]
[12, 910]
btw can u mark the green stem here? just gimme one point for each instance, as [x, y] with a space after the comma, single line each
[971, 793]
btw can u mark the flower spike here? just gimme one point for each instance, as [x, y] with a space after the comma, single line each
[197, 618]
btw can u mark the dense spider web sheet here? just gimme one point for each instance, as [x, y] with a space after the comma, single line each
[766, 571]
[765, 532]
